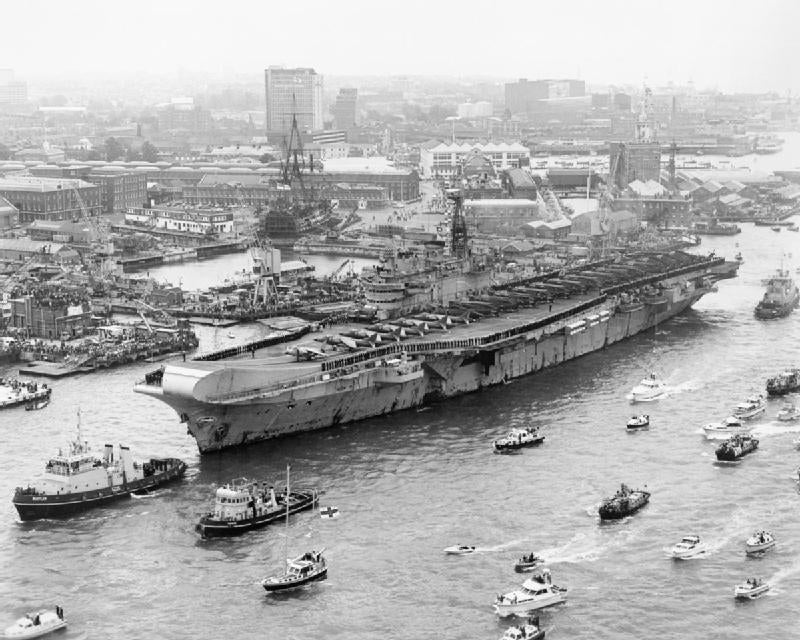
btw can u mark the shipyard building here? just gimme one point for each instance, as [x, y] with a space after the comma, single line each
[50, 198]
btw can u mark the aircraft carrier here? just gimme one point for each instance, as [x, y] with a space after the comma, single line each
[462, 345]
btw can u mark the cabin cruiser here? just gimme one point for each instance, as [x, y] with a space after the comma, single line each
[688, 547]
[459, 550]
[518, 438]
[528, 563]
[639, 422]
[650, 388]
[35, 625]
[536, 593]
[730, 426]
[759, 542]
[750, 408]
[753, 588]
[788, 413]
[531, 630]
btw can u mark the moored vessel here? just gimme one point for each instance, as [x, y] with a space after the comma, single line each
[79, 480]
[785, 382]
[624, 502]
[780, 298]
[736, 447]
[14, 392]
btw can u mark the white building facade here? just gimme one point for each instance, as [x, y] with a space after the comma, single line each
[445, 160]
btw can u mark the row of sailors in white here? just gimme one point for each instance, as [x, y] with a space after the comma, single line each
[240, 503]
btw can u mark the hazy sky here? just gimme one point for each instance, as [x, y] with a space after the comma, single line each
[733, 45]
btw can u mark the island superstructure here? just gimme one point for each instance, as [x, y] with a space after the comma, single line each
[473, 340]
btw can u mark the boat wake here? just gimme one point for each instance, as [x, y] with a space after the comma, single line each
[500, 547]
[775, 429]
[586, 547]
[781, 575]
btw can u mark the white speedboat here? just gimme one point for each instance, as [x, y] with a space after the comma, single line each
[37, 624]
[788, 413]
[750, 408]
[728, 427]
[531, 630]
[750, 589]
[536, 593]
[649, 389]
[759, 542]
[459, 550]
[639, 422]
[688, 547]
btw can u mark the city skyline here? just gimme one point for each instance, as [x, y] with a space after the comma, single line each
[728, 47]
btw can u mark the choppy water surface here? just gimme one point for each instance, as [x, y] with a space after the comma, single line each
[410, 484]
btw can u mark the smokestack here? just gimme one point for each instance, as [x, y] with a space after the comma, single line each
[108, 454]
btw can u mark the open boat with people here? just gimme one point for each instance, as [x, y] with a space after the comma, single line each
[35, 405]
[783, 383]
[688, 547]
[528, 563]
[624, 502]
[736, 447]
[459, 550]
[14, 392]
[728, 427]
[750, 408]
[759, 542]
[649, 389]
[537, 592]
[752, 588]
[517, 439]
[529, 630]
[639, 422]
[37, 624]
[76, 480]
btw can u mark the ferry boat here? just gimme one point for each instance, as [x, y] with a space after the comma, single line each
[759, 542]
[788, 413]
[736, 447]
[77, 480]
[730, 426]
[517, 439]
[530, 630]
[639, 422]
[752, 588]
[688, 547]
[241, 506]
[750, 408]
[624, 503]
[528, 563]
[783, 383]
[781, 297]
[649, 389]
[37, 624]
[15, 392]
[536, 593]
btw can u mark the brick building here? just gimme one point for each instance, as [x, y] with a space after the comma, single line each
[50, 198]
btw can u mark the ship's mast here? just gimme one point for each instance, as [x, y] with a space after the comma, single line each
[458, 231]
[286, 537]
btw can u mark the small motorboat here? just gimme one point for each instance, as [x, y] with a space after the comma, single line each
[230, 335]
[750, 408]
[728, 427]
[531, 630]
[536, 593]
[759, 542]
[649, 389]
[738, 257]
[37, 624]
[459, 550]
[639, 422]
[788, 413]
[528, 563]
[688, 547]
[751, 589]
[35, 405]
[517, 439]
[776, 227]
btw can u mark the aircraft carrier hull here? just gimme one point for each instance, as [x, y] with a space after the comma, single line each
[365, 384]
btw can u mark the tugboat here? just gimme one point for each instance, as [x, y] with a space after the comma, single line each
[37, 624]
[528, 563]
[750, 408]
[759, 542]
[731, 425]
[241, 506]
[688, 547]
[781, 297]
[788, 413]
[14, 392]
[649, 389]
[785, 382]
[736, 447]
[625, 502]
[528, 631]
[751, 589]
[639, 422]
[537, 592]
[79, 480]
[517, 439]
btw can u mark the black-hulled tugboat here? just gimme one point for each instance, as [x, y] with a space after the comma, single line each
[79, 480]
[241, 506]
[785, 382]
[781, 297]
[736, 447]
[517, 439]
[625, 502]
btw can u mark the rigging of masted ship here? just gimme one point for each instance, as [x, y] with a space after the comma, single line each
[446, 328]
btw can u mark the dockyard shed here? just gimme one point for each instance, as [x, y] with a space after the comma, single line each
[552, 230]
[23, 249]
[707, 191]
[789, 193]
[9, 216]
[733, 202]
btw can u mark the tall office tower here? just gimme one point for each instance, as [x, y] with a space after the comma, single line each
[291, 92]
[345, 114]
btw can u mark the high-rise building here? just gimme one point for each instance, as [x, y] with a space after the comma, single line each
[345, 111]
[521, 96]
[292, 92]
[12, 91]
